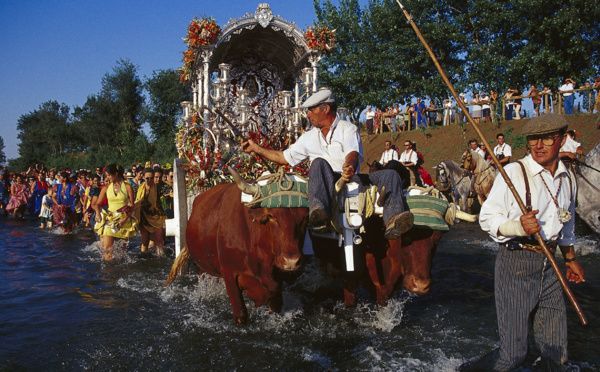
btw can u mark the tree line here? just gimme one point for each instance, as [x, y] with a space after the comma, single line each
[481, 44]
[108, 128]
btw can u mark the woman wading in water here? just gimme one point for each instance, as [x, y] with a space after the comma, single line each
[150, 213]
[116, 222]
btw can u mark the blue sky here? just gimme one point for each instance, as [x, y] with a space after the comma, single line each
[60, 50]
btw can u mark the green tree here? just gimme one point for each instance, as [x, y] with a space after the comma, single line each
[124, 89]
[517, 43]
[165, 93]
[379, 60]
[43, 132]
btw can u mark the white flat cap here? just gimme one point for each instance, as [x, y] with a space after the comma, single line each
[322, 96]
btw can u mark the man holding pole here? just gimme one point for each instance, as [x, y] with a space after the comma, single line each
[526, 287]
[334, 148]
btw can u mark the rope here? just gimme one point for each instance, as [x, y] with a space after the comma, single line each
[280, 177]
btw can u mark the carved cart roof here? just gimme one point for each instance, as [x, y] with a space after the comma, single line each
[266, 36]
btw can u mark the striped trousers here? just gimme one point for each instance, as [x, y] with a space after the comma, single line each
[526, 288]
[321, 188]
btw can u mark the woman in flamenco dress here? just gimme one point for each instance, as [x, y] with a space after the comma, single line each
[116, 222]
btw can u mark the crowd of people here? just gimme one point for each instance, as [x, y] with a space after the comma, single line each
[116, 203]
[483, 107]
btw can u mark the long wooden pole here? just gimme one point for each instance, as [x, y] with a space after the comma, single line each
[509, 183]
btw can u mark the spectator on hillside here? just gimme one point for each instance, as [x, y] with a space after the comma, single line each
[421, 114]
[476, 108]
[596, 86]
[431, 113]
[502, 150]
[493, 102]
[377, 121]
[509, 104]
[370, 114]
[568, 97]
[535, 99]
[462, 116]
[517, 103]
[447, 111]
[407, 117]
[588, 97]
[485, 107]
[546, 99]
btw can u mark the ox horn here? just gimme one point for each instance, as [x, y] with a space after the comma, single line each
[466, 216]
[241, 184]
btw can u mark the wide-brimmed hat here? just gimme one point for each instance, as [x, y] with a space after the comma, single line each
[322, 96]
[545, 124]
[129, 174]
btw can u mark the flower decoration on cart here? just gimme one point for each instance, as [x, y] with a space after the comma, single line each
[320, 38]
[201, 32]
[206, 164]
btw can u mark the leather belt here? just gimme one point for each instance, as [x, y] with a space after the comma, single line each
[529, 245]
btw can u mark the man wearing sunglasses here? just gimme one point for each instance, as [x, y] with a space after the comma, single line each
[334, 148]
[525, 285]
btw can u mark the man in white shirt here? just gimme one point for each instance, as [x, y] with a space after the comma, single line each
[502, 151]
[571, 149]
[569, 98]
[410, 158]
[525, 285]
[475, 147]
[334, 149]
[388, 154]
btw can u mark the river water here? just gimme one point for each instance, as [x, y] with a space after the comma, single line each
[63, 308]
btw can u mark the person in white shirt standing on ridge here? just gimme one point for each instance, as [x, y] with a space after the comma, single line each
[569, 98]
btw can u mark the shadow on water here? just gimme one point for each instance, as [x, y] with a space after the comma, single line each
[63, 308]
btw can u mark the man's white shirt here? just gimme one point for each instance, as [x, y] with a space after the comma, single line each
[409, 156]
[342, 139]
[388, 155]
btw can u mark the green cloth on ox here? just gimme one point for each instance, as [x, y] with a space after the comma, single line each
[296, 197]
[429, 212]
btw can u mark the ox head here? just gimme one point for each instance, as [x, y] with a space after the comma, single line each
[280, 232]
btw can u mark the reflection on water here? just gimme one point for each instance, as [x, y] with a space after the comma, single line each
[63, 308]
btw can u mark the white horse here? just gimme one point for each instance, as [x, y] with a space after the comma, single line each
[449, 175]
[588, 193]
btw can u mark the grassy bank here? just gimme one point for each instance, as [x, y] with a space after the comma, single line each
[448, 143]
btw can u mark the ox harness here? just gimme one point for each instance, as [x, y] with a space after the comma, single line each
[352, 206]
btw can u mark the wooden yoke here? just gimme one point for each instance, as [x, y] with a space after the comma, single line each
[509, 183]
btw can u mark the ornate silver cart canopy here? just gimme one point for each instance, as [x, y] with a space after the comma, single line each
[250, 75]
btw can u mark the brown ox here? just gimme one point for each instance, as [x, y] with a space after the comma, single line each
[243, 246]
[382, 266]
